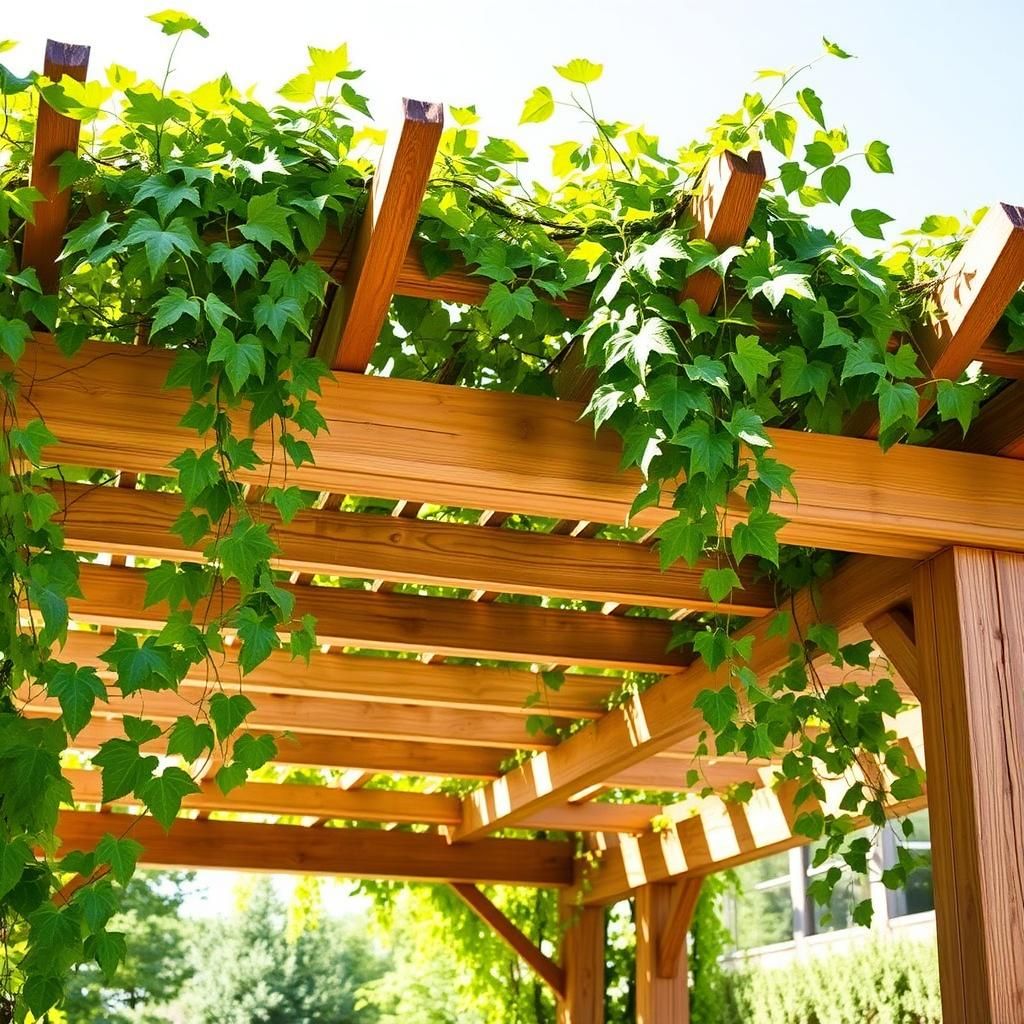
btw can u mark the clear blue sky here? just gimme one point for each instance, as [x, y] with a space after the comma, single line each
[938, 80]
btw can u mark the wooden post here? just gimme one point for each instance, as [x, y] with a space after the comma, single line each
[583, 962]
[969, 619]
[662, 988]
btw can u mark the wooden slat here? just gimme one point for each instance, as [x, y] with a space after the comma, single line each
[399, 622]
[969, 612]
[583, 957]
[385, 680]
[55, 135]
[360, 305]
[664, 714]
[455, 446]
[379, 805]
[724, 835]
[549, 972]
[722, 210]
[363, 546]
[966, 304]
[346, 852]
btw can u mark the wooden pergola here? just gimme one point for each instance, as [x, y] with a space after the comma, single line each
[935, 577]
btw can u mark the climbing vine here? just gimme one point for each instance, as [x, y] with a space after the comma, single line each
[197, 226]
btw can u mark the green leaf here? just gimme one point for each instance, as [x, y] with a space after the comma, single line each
[819, 154]
[719, 583]
[637, 347]
[259, 637]
[792, 176]
[108, 949]
[163, 794]
[835, 49]
[811, 104]
[172, 306]
[13, 335]
[288, 501]
[780, 132]
[581, 71]
[241, 358]
[196, 472]
[503, 306]
[244, 550]
[327, 64]
[76, 689]
[228, 713]
[13, 858]
[31, 439]
[711, 450]
[121, 854]
[835, 183]
[98, 902]
[159, 242]
[898, 405]
[173, 23]
[752, 361]
[189, 738]
[235, 259]
[757, 536]
[254, 751]
[124, 767]
[267, 222]
[958, 401]
[539, 107]
[168, 194]
[140, 730]
[717, 706]
[679, 537]
[877, 157]
[869, 222]
[673, 397]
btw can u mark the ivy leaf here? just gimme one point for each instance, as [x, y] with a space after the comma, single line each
[799, 377]
[877, 157]
[259, 637]
[108, 949]
[168, 194]
[241, 359]
[124, 768]
[13, 858]
[267, 222]
[140, 730]
[189, 738]
[580, 71]
[757, 536]
[196, 472]
[835, 49]
[719, 583]
[235, 259]
[637, 347]
[747, 426]
[752, 360]
[98, 902]
[819, 153]
[76, 689]
[13, 335]
[503, 306]
[711, 450]
[242, 552]
[679, 537]
[173, 23]
[673, 397]
[811, 104]
[163, 794]
[898, 405]
[228, 713]
[780, 131]
[717, 706]
[863, 358]
[31, 439]
[121, 854]
[902, 364]
[869, 222]
[539, 107]
[159, 242]
[172, 306]
[835, 183]
[792, 176]
[254, 751]
[958, 401]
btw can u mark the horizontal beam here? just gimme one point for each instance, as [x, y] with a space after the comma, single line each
[362, 546]
[664, 714]
[400, 622]
[346, 852]
[387, 680]
[457, 446]
[379, 805]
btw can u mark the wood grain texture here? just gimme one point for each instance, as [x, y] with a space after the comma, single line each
[55, 135]
[360, 304]
[659, 999]
[346, 852]
[893, 633]
[410, 550]
[969, 611]
[400, 622]
[456, 446]
[384, 680]
[998, 428]
[664, 714]
[583, 958]
[547, 970]
[672, 959]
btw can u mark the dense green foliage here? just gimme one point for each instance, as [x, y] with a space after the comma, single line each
[196, 217]
[885, 981]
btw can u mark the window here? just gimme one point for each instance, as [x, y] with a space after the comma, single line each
[917, 897]
[761, 911]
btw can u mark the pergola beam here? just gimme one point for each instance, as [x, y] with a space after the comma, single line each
[400, 550]
[346, 852]
[456, 446]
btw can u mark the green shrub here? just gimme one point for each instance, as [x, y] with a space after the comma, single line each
[882, 982]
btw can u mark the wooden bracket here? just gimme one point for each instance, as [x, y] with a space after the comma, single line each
[56, 134]
[893, 633]
[360, 304]
[670, 942]
[544, 967]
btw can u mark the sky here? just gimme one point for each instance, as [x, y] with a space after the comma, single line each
[936, 79]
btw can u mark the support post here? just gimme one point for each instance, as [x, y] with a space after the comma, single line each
[583, 962]
[662, 981]
[969, 618]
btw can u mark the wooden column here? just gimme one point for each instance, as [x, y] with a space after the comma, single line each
[663, 913]
[969, 621]
[583, 963]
